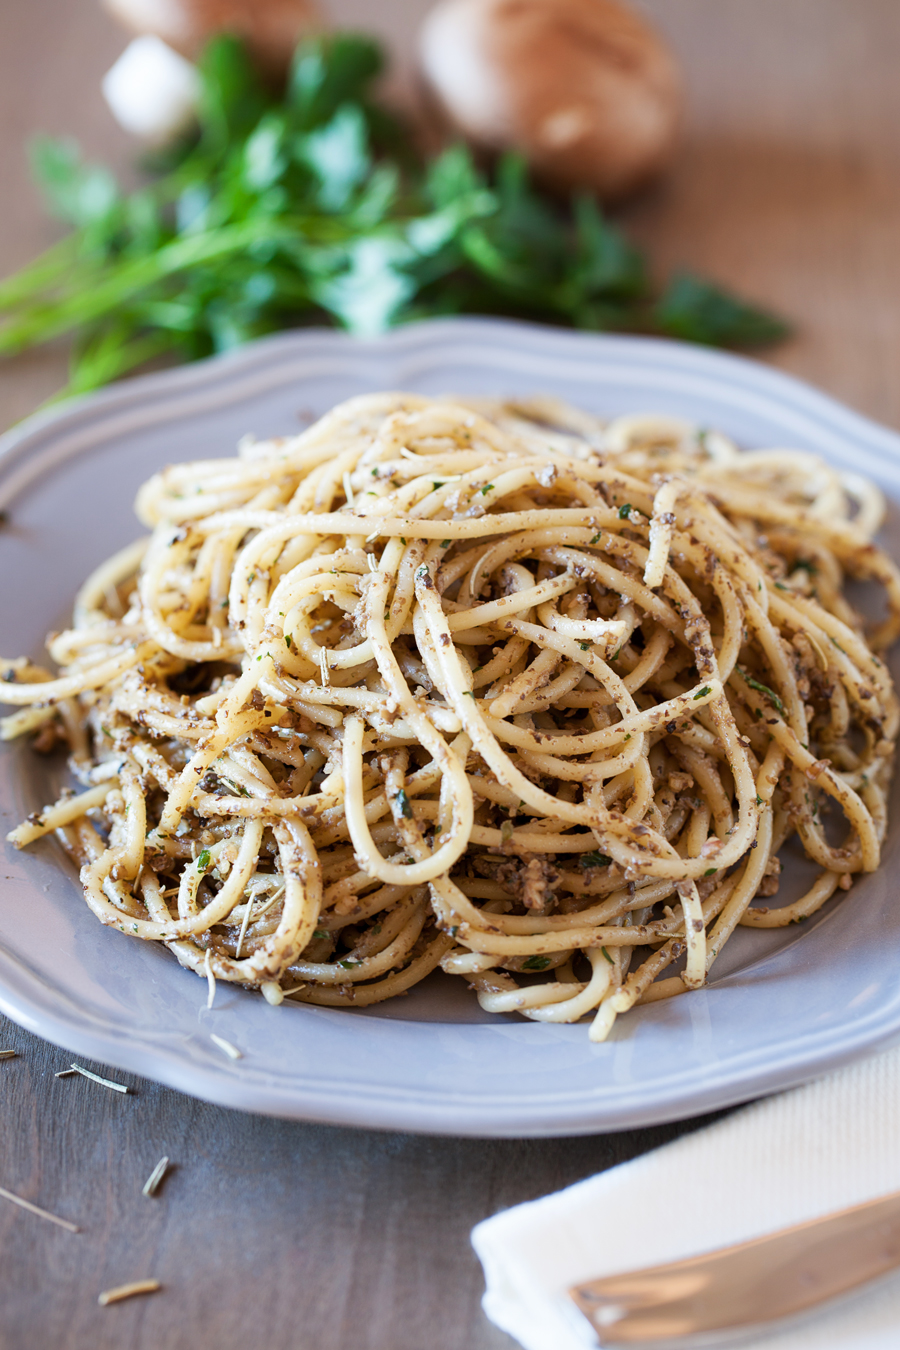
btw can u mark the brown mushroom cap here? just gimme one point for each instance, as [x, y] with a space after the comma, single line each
[271, 28]
[585, 88]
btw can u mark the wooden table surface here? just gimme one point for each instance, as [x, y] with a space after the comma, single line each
[268, 1233]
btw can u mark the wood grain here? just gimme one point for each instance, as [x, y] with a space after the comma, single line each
[264, 1232]
[268, 1233]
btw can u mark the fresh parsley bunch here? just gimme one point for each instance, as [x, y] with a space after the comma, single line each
[314, 207]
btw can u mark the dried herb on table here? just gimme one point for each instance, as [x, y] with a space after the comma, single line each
[312, 207]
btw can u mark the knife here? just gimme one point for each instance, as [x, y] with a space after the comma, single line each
[748, 1286]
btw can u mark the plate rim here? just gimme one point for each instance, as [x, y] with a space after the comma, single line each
[62, 432]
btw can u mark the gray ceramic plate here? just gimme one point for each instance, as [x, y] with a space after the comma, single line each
[782, 1008]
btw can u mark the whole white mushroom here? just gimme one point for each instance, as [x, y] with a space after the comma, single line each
[585, 89]
[152, 91]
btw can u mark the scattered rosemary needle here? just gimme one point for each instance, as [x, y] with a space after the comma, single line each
[41, 1213]
[7, 1054]
[128, 1291]
[230, 1050]
[211, 979]
[246, 920]
[151, 1185]
[95, 1078]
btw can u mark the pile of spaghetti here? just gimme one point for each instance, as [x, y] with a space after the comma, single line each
[495, 688]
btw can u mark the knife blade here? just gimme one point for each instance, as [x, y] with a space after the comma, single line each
[752, 1284]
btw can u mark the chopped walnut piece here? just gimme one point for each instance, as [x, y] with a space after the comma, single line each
[49, 737]
[771, 878]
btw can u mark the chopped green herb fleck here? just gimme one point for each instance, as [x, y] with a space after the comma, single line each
[625, 511]
[445, 543]
[321, 933]
[585, 646]
[701, 693]
[710, 871]
[536, 963]
[597, 537]
[595, 860]
[289, 641]
[487, 489]
[761, 689]
[203, 861]
[610, 959]
[349, 965]
[404, 804]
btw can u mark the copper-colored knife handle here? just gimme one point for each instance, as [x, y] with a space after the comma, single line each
[757, 1282]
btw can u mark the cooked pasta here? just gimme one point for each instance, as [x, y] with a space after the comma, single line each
[495, 688]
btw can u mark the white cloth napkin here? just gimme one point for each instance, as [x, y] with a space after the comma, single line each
[795, 1156]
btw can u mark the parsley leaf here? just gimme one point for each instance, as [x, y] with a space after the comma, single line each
[311, 204]
[695, 309]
